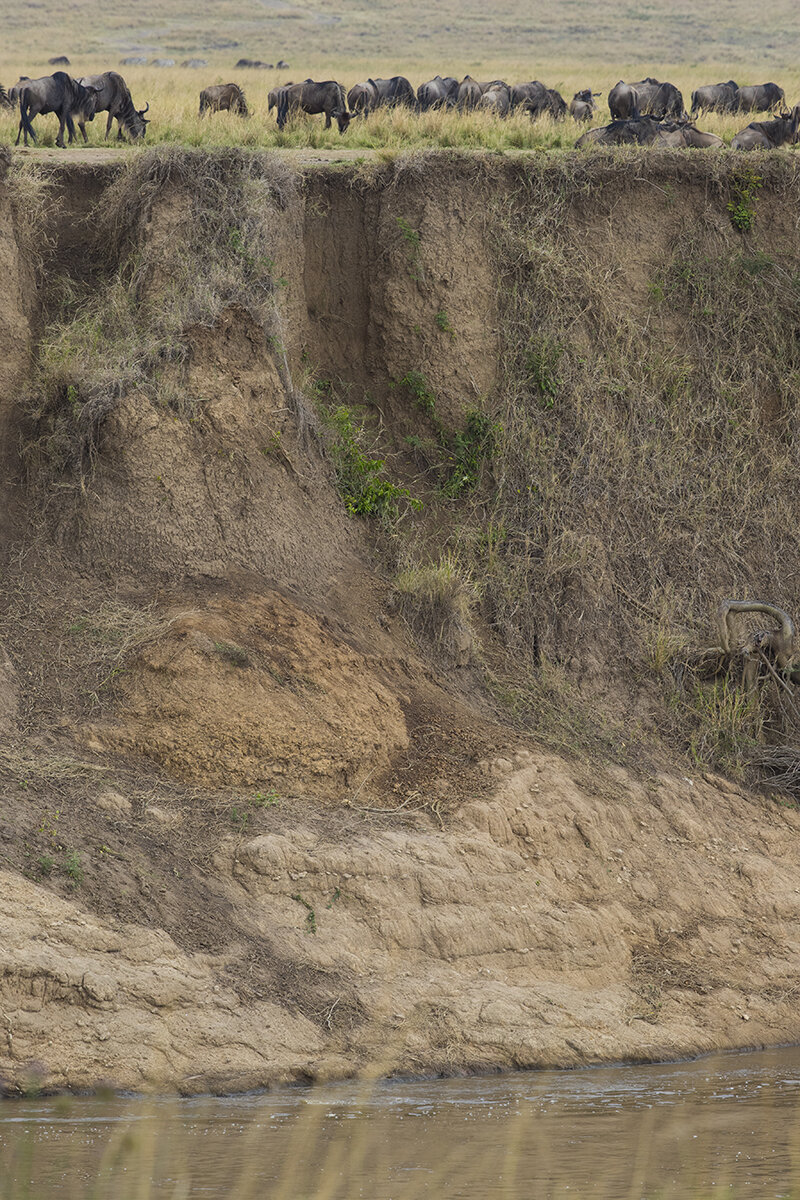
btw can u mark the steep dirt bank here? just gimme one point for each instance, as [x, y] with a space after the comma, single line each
[270, 811]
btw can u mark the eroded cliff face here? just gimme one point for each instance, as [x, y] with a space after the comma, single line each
[254, 830]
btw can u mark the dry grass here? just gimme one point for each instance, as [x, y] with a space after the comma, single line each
[437, 601]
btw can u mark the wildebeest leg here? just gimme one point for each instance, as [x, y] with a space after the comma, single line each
[65, 119]
[25, 122]
[109, 123]
[327, 120]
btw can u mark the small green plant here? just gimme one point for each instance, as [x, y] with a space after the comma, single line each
[73, 867]
[268, 799]
[336, 895]
[467, 451]
[46, 864]
[442, 322]
[311, 916]
[742, 205]
[365, 490]
[541, 362]
[421, 392]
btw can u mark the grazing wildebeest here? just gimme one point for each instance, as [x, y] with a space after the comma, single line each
[437, 93]
[395, 91]
[60, 60]
[114, 98]
[760, 98]
[163, 62]
[658, 99]
[59, 94]
[582, 106]
[547, 102]
[194, 63]
[361, 98]
[715, 97]
[531, 96]
[623, 102]
[556, 104]
[282, 66]
[766, 135]
[133, 60]
[496, 97]
[469, 94]
[223, 97]
[326, 97]
[254, 64]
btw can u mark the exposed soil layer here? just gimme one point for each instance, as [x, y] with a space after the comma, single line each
[252, 828]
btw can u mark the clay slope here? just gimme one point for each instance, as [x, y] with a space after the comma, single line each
[259, 821]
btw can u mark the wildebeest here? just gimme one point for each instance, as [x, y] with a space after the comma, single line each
[556, 104]
[582, 106]
[526, 94]
[496, 97]
[715, 97]
[114, 98]
[163, 62]
[4, 100]
[548, 102]
[760, 98]
[326, 97]
[361, 97]
[59, 60]
[223, 97]
[469, 94]
[251, 64]
[623, 102]
[647, 131]
[395, 91]
[194, 63]
[282, 66]
[133, 60]
[437, 93]
[658, 99]
[59, 94]
[766, 135]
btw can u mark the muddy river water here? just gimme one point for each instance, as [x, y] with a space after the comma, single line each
[727, 1125]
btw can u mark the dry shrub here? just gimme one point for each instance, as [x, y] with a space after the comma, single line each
[437, 601]
[216, 251]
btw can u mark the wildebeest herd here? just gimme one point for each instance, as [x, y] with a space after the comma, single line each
[645, 112]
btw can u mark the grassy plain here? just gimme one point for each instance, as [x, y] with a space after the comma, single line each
[566, 45]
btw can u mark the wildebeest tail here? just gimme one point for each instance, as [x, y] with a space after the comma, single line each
[4, 100]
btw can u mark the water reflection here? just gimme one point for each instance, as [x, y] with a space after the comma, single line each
[728, 1125]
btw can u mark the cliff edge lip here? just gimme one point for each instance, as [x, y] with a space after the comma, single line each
[295, 793]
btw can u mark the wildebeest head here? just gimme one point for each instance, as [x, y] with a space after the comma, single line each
[342, 118]
[141, 121]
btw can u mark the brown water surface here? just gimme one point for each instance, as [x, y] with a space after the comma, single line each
[728, 1125]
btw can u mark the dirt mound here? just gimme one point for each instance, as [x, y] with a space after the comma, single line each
[256, 693]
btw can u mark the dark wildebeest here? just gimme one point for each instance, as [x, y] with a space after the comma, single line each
[59, 94]
[60, 60]
[254, 64]
[361, 98]
[658, 99]
[4, 100]
[556, 104]
[523, 95]
[395, 91]
[760, 98]
[326, 97]
[223, 97]
[496, 97]
[282, 66]
[766, 135]
[547, 103]
[715, 97]
[647, 131]
[437, 93]
[582, 106]
[623, 102]
[469, 94]
[114, 98]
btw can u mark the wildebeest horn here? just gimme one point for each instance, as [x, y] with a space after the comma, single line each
[146, 109]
